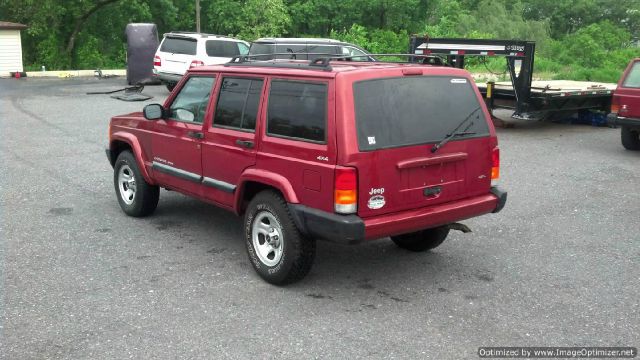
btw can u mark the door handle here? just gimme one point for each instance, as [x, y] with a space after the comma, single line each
[195, 134]
[245, 143]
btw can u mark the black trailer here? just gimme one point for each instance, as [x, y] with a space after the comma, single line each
[527, 98]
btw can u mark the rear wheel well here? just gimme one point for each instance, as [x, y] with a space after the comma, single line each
[116, 148]
[251, 189]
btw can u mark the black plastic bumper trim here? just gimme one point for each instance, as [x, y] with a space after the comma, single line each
[220, 185]
[176, 172]
[345, 229]
[169, 77]
[615, 120]
[502, 198]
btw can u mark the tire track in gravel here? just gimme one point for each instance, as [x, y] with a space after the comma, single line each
[54, 174]
[21, 108]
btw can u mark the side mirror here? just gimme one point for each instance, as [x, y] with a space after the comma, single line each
[153, 112]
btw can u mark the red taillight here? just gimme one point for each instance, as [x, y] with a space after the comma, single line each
[346, 190]
[196, 63]
[495, 164]
[157, 61]
[615, 104]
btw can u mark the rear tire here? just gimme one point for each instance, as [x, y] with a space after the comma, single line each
[136, 197]
[422, 240]
[278, 251]
[630, 138]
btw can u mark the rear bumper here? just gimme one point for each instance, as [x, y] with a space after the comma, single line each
[352, 229]
[348, 229]
[168, 77]
[614, 120]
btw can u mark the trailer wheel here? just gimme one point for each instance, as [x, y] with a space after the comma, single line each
[630, 138]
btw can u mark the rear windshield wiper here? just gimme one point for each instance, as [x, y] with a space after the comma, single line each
[456, 131]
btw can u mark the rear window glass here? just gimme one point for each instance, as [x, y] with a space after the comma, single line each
[633, 78]
[394, 112]
[297, 110]
[221, 48]
[184, 46]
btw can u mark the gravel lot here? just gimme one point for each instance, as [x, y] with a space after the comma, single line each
[559, 266]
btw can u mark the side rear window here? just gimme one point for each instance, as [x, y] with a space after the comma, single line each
[297, 110]
[414, 110]
[176, 45]
[222, 48]
[297, 51]
[633, 78]
[238, 103]
[322, 50]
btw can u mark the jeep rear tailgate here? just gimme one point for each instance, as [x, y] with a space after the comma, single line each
[398, 120]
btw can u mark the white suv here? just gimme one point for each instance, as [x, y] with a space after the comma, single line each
[180, 51]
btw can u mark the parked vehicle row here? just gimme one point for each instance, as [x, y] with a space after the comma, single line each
[180, 51]
[340, 151]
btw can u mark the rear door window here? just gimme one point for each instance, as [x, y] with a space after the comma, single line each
[222, 48]
[413, 110]
[179, 45]
[238, 102]
[633, 77]
[297, 109]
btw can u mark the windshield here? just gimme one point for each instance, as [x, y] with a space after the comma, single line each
[403, 111]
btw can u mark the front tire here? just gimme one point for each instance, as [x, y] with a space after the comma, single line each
[278, 251]
[630, 138]
[422, 240]
[136, 197]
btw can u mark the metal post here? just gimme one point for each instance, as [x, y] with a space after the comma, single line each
[489, 96]
[198, 16]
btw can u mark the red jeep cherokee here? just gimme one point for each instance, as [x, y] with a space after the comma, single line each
[341, 151]
[625, 106]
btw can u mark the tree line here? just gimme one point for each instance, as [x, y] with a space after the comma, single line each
[575, 39]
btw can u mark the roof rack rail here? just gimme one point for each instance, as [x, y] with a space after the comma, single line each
[254, 60]
[429, 59]
[322, 61]
[194, 33]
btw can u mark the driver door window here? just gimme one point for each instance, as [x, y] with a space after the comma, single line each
[191, 103]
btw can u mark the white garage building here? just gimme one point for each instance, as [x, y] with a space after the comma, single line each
[10, 48]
